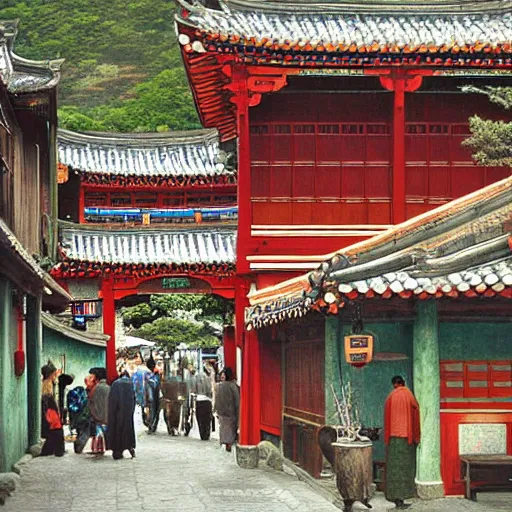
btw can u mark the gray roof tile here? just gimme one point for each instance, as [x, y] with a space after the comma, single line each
[23, 75]
[394, 29]
[150, 246]
[193, 153]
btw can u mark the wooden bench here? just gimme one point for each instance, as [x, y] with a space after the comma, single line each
[486, 473]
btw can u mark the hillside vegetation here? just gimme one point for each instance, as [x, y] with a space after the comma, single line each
[123, 70]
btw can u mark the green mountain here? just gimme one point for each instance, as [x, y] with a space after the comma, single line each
[123, 69]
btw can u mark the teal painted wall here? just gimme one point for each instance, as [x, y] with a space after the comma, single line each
[79, 356]
[372, 383]
[475, 341]
[13, 390]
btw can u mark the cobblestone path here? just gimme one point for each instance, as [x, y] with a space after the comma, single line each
[168, 474]
[176, 474]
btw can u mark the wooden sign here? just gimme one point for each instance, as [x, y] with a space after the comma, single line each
[176, 284]
[358, 349]
[62, 173]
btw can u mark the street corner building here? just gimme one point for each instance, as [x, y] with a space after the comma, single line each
[145, 214]
[435, 295]
[28, 231]
[348, 119]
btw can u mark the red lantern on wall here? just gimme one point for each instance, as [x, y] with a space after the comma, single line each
[19, 363]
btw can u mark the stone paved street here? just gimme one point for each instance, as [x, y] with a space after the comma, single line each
[169, 473]
[184, 474]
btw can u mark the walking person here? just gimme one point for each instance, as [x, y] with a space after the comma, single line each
[140, 380]
[401, 436]
[51, 425]
[99, 392]
[152, 398]
[121, 406]
[227, 408]
[201, 387]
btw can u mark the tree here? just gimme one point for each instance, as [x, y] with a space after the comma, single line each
[491, 141]
[168, 333]
[123, 69]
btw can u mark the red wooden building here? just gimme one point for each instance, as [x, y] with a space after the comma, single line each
[434, 293]
[349, 118]
[148, 210]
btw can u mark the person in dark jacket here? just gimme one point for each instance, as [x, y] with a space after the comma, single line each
[121, 406]
[51, 425]
[152, 392]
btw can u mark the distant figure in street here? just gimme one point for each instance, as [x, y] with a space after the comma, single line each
[201, 387]
[152, 398]
[51, 425]
[227, 407]
[121, 406]
[401, 436]
[64, 381]
[175, 393]
[139, 381]
[99, 392]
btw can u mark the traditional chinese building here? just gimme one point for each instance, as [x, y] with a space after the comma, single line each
[434, 293]
[28, 215]
[349, 118]
[152, 213]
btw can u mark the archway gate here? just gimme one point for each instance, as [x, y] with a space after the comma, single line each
[142, 262]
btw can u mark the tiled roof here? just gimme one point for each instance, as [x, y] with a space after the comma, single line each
[350, 27]
[9, 242]
[461, 249]
[172, 154]
[146, 246]
[23, 75]
[51, 322]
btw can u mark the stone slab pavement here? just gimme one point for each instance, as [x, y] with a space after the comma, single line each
[168, 474]
[184, 474]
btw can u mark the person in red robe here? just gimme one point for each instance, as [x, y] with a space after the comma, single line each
[401, 436]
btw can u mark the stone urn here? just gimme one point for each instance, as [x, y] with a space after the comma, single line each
[352, 463]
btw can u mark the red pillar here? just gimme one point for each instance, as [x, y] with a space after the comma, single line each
[109, 326]
[399, 151]
[250, 385]
[229, 343]
[81, 205]
[242, 102]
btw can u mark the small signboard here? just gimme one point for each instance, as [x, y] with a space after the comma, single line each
[146, 219]
[172, 283]
[87, 308]
[358, 349]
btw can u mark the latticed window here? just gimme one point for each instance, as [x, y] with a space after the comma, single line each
[476, 379]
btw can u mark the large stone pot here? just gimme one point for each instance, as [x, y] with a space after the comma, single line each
[353, 466]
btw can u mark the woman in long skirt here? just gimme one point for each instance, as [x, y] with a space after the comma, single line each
[227, 407]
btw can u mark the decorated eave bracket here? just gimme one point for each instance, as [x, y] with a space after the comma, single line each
[255, 82]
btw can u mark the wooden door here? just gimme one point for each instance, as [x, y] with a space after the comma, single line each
[304, 399]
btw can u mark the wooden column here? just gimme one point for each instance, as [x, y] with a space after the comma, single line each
[34, 362]
[242, 102]
[109, 326]
[400, 83]
[250, 385]
[426, 373]
[81, 205]
[229, 342]
[399, 151]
